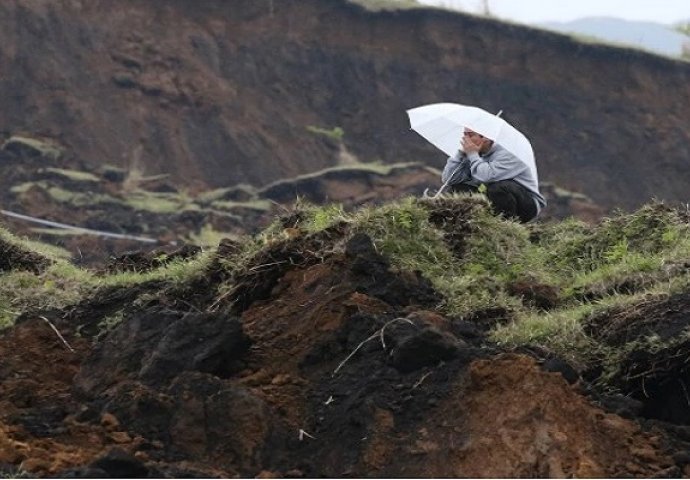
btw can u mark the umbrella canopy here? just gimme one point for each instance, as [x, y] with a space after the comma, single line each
[443, 125]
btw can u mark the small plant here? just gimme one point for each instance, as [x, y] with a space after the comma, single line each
[335, 133]
[320, 218]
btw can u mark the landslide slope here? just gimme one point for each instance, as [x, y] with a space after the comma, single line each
[97, 214]
[422, 338]
[221, 93]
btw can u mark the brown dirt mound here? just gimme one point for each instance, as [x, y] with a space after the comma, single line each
[38, 432]
[337, 366]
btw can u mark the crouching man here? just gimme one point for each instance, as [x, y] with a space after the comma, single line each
[510, 186]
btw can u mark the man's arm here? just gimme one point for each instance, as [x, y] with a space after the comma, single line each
[502, 165]
[455, 169]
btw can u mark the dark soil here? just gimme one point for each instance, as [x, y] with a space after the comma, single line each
[322, 361]
[656, 376]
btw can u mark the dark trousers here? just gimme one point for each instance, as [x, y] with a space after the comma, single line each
[507, 197]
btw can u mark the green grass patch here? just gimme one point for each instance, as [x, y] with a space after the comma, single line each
[335, 133]
[45, 148]
[159, 202]
[24, 187]
[376, 168]
[60, 285]
[75, 175]
[79, 199]
[241, 190]
[229, 205]
[208, 237]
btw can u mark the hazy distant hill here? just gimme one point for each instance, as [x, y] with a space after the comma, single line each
[655, 37]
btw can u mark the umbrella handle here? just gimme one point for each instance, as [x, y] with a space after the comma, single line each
[438, 192]
[443, 187]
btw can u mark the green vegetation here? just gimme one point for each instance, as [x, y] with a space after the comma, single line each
[376, 168]
[58, 285]
[79, 199]
[44, 148]
[474, 259]
[61, 283]
[620, 263]
[229, 205]
[336, 133]
[241, 190]
[75, 175]
[51, 252]
[208, 237]
[159, 202]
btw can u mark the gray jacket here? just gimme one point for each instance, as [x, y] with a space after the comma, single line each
[496, 165]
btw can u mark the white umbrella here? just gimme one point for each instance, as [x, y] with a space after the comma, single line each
[443, 125]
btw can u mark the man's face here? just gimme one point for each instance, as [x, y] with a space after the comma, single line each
[482, 143]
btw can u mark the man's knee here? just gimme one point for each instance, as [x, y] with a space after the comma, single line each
[500, 192]
[509, 198]
[499, 188]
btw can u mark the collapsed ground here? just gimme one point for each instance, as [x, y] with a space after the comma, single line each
[127, 210]
[420, 338]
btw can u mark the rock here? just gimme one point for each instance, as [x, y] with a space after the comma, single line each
[142, 410]
[561, 366]
[423, 348]
[536, 295]
[281, 379]
[124, 80]
[36, 464]
[114, 174]
[109, 421]
[267, 474]
[371, 274]
[198, 342]
[84, 472]
[155, 346]
[120, 437]
[213, 416]
[117, 463]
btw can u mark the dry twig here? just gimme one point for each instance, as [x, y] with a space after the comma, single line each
[303, 434]
[58, 333]
[419, 382]
[377, 333]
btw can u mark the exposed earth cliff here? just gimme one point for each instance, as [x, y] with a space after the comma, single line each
[221, 93]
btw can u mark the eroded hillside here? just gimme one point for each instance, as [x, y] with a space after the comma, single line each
[221, 93]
